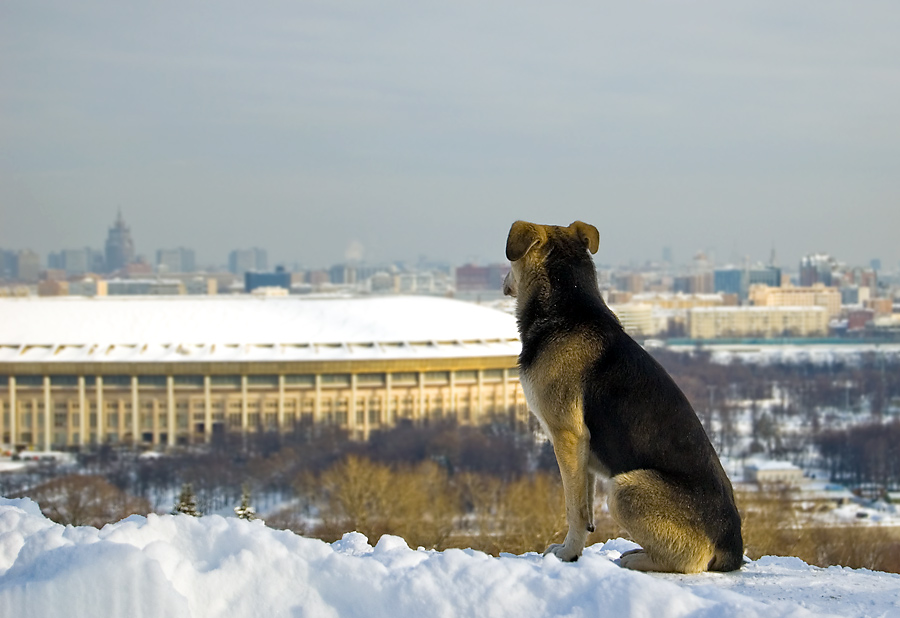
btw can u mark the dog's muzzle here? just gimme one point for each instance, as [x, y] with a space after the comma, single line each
[509, 285]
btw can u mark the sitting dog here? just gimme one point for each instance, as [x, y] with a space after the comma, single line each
[610, 408]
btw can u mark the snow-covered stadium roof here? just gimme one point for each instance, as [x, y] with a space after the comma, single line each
[242, 328]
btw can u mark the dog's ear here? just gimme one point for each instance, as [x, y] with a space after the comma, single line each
[587, 233]
[522, 237]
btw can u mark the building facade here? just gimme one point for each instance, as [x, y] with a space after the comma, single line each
[28, 266]
[765, 322]
[180, 260]
[278, 279]
[361, 365]
[243, 260]
[472, 278]
[637, 319]
[816, 295]
[739, 280]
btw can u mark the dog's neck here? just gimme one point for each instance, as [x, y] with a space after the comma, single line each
[560, 297]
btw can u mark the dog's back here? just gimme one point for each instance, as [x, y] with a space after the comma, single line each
[627, 393]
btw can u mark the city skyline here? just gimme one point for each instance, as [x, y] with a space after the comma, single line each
[55, 258]
[320, 131]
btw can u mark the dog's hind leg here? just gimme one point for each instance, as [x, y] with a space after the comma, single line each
[658, 518]
[572, 452]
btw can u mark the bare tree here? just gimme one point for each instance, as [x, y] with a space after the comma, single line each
[85, 500]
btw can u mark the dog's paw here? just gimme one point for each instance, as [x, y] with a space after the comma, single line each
[631, 559]
[638, 560]
[562, 552]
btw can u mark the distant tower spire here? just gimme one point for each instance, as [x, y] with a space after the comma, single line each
[772, 259]
[119, 245]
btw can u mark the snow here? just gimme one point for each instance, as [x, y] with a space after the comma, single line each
[165, 565]
[773, 353]
[246, 328]
[770, 464]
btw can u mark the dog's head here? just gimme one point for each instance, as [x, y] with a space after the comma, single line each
[530, 246]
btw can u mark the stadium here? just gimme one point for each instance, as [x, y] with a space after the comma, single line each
[161, 371]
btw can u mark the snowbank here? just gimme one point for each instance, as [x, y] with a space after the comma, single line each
[171, 566]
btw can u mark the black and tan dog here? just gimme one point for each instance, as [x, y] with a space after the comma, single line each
[610, 408]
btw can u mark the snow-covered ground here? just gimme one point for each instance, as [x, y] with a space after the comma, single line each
[164, 565]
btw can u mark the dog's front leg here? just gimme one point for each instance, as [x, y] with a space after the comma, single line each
[572, 450]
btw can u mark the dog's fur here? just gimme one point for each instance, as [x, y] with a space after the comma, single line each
[610, 408]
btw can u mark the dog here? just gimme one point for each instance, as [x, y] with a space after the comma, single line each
[609, 408]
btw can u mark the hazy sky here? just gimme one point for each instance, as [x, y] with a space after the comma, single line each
[427, 128]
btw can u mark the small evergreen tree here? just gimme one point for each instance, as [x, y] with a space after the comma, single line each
[187, 502]
[245, 511]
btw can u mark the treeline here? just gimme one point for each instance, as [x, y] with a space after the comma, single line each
[863, 454]
[275, 465]
[812, 400]
[873, 381]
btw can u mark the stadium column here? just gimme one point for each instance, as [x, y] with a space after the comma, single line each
[135, 413]
[4, 423]
[352, 423]
[245, 415]
[82, 411]
[170, 411]
[452, 407]
[13, 412]
[280, 403]
[317, 403]
[388, 408]
[157, 430]
[207, 408]
[47, 413]
[476, 417]
[422, 412]
[100, 409]
[506, 409]
[520, 418]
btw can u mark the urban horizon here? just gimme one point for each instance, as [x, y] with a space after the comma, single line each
[93, 257]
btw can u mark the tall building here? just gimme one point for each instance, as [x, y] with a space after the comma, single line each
[698, 283]
[244, 260]
[343, 274]
[630, 282]
[278, 279]
[765, 275]
[76, 261]
[739, 280]
[28, 266]
[119, 245]
[178, 260]
[817, 268]
[8, 264]
[472, 278]
[730, 281]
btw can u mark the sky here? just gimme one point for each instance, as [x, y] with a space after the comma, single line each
[399, 129]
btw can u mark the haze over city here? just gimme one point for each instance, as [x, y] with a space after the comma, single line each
[402, 129]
